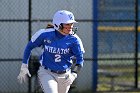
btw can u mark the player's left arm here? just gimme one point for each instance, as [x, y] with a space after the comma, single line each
[78, 51]
[79, 63]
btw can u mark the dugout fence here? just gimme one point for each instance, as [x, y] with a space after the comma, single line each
[117, 43]
[119, 34]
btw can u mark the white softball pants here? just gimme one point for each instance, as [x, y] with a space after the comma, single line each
[52, 82]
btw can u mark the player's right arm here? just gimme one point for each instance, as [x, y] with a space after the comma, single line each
[36, 41]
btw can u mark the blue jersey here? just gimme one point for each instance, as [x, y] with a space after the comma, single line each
[58, 49]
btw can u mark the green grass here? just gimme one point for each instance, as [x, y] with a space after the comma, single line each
[121, 82]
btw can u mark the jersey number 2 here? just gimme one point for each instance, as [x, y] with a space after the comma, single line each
[57, 58]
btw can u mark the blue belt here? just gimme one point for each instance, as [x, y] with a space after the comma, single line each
[58, 72]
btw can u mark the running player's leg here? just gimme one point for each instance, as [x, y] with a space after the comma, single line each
[62, 88]
[47, 82]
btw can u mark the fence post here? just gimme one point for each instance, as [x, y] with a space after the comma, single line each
[136, 44]
[95, 41]
[29, 37]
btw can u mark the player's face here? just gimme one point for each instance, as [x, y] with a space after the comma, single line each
[67, 28]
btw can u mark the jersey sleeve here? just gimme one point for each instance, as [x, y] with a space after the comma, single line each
[78, 51]
[36, 41]
[27, 51]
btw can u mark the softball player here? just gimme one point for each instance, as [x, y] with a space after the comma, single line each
[60, 45]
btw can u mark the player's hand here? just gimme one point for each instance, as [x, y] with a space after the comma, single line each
[22, 77]
[70, 78]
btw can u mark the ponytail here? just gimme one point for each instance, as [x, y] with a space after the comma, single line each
[49, 25]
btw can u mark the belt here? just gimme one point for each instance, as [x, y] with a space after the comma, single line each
[58, 72]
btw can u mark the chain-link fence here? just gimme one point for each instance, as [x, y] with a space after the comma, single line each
[117, 59]
[19, 20]
[117, 45]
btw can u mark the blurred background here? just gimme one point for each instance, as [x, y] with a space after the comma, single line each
[109, 30]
